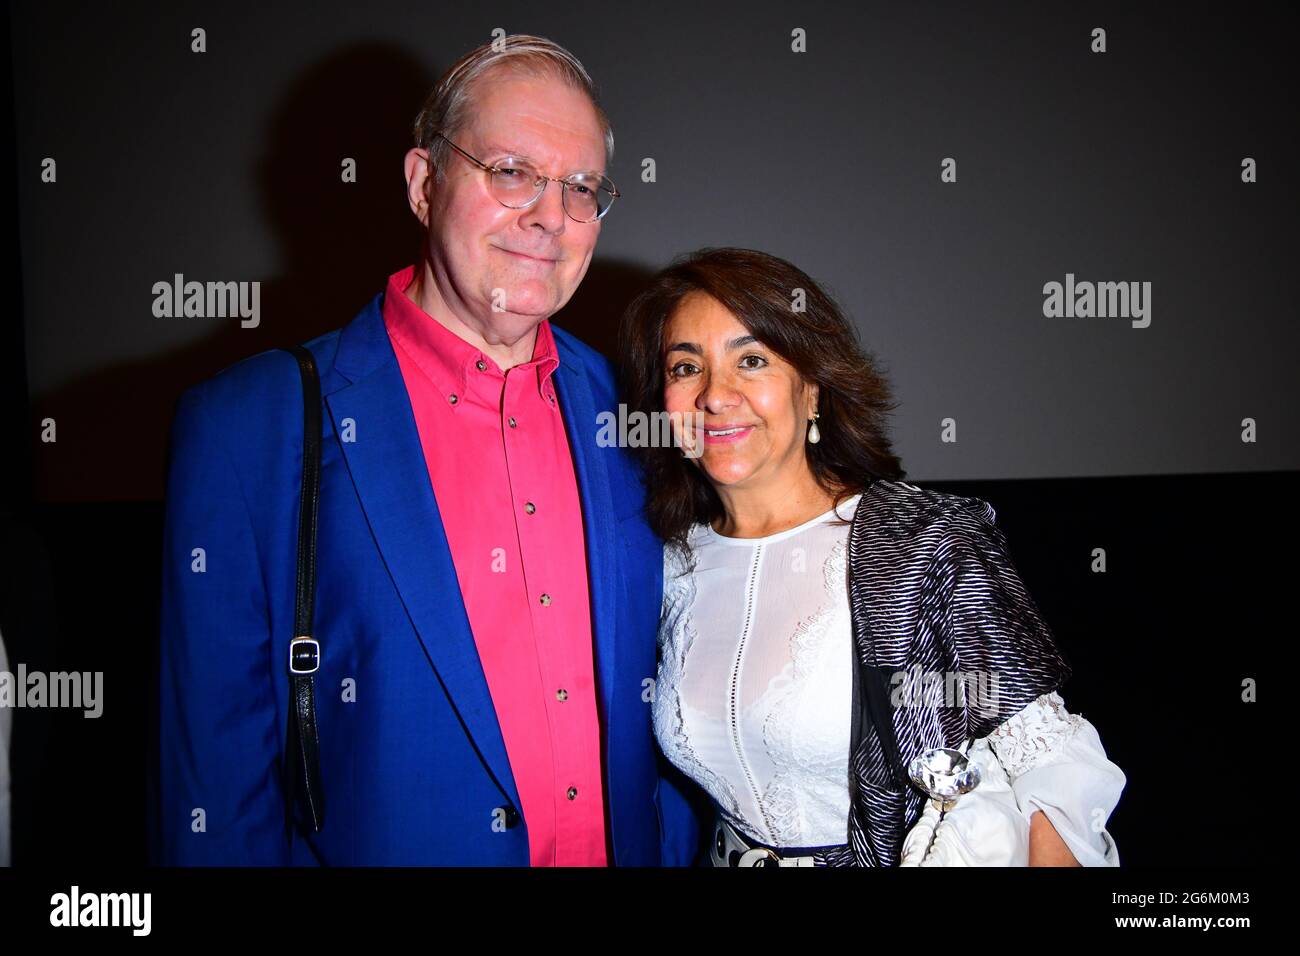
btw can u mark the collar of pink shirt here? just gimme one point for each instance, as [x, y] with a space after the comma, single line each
[447, 359]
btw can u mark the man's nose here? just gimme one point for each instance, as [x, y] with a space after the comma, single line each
[547, 210]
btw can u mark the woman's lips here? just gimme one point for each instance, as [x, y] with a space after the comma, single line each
[732, 434]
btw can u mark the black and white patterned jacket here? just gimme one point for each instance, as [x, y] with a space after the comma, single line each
[932, 590]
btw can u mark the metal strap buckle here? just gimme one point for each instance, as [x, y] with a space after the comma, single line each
[304, 655]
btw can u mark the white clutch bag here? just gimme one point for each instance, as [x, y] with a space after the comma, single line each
[985, 828]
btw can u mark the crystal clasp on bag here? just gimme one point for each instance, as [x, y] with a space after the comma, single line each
[945, 774]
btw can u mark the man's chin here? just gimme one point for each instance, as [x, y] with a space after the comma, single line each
[526, 307]
[512, 326]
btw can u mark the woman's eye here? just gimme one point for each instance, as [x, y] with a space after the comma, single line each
[753, 361]
[680, 369]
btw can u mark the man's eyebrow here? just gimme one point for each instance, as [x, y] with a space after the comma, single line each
[492, 149]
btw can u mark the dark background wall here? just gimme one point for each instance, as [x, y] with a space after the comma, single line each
[1082, 432]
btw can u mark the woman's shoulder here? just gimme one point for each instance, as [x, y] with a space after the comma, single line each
[901, 510]
[680, 559]
[679, 587]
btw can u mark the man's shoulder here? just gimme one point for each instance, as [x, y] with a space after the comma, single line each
[271, 376]
[258, 385]
[260, 394]
[573, 348]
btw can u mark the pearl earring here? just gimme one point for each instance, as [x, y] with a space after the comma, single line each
[814, 434]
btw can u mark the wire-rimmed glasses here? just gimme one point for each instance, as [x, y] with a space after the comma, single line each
[516, 183]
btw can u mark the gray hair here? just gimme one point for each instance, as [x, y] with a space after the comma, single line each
[448, 108]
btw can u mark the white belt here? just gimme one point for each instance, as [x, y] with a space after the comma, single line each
[730, 844]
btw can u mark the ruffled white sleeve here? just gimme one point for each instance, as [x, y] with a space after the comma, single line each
[1056, 763]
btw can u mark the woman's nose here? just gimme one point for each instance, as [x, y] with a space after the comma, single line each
[716, 395]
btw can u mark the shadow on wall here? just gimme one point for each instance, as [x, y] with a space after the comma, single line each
[338, 242]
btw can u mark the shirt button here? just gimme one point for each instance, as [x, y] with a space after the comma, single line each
[480, 365]
[511, 421]
[453, 399]
[509, 816]
[530, 507]
[572, 793]
[561, 694]
[546, 599]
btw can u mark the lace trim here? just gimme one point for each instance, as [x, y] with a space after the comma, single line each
[675, 642]
[1035, 736]
[807, 781]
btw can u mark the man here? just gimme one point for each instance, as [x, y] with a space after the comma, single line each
[487, 589]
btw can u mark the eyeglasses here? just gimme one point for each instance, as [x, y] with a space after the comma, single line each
[514, 182]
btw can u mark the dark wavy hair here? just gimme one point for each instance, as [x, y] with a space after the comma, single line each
[853, 402]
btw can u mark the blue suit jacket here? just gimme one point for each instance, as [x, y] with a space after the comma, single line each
[414, 768]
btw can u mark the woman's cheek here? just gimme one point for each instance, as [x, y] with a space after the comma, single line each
[678, 398]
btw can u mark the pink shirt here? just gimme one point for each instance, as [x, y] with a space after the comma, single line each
[502, 474]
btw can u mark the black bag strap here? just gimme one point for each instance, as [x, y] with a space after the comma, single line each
[304, 650]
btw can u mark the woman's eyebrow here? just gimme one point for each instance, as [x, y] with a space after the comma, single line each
[738, 342]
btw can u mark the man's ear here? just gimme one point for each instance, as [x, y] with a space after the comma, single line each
[419, 183]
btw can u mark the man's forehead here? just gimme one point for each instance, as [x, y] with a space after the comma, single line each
[542, 131]
[541, 148]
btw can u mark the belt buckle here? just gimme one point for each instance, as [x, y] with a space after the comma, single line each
[752, 856]
[759, 856]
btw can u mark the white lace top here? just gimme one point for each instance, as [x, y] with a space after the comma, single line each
[754, 693]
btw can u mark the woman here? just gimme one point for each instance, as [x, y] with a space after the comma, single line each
[809, 592]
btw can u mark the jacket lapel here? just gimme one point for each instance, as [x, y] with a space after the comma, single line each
[387, 466]
[880, 797]
[578, 405]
